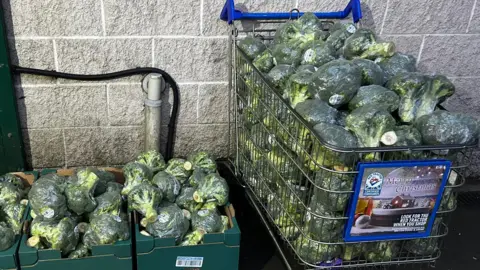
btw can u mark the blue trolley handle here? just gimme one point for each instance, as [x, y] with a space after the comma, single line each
[230, 14]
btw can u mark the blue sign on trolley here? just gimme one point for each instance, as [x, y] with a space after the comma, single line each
[395, 199]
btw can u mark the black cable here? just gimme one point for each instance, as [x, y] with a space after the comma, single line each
[114, 75]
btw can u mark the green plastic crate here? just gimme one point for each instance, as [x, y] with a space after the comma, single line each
[117, 256]
[8, 258]
[220, 251]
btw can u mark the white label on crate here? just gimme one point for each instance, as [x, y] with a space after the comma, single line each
[335, 99]
[351, 29]
[163, 217]
[194, 262]
[48, 213]
[308, 56]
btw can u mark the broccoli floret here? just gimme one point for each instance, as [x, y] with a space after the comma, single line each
[145, 199]
[104, 178]
[279, 75]
[153, 160]
[196, 178]
[9, 193]
[202, 161]
[252, 46]
[171, 223]
[109, 202]
[207, 220]
[373, 96]
[80, 251]
[60, 234]
[135, 173]
[185, 199]
[47, 199]
[106, 229]
[363, 44]
[168, 185]
[419, 94]
[7, 237]
[193, 238]
[371, 72]
[264, 62]
[397, 64]
[381, 251]
[442, 127]
[369, 124]
[336, 82]
[213, 188]
[316, 111]
[12, 178]
[179, 168]
[314, 252]
[13, 216]
[79, 192]
[318, 54]
[297, 87]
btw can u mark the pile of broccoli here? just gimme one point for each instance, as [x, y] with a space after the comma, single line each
[72, 214]
[13, 203]
[180, 200]
[353, 91]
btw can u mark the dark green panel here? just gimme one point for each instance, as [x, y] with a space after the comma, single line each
[11, 146]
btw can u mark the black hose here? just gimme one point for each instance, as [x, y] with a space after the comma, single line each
[114, 75]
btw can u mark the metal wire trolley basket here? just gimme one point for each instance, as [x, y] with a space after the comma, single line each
[304, 183]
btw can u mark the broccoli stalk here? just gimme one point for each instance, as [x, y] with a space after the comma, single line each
[193, 238]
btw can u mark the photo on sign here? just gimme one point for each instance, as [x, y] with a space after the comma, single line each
[396, 200]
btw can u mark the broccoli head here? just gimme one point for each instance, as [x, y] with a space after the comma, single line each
[397, 64]
[145, 199]
[339, 32]
[135, 173]
[207, 220]
[196, 177]
[419, 94]
[371, 72]
[442, 127]
[316, 111]
[104, 177]
[336, 82]
[79, 192]
[185, 199]
[80, 251]
[406, 135]
[298, 33]
[106, 229]
[383, 251]
[330, 184]
[9, 193]
[279, 75]
[180, 168]
[56, 234]
[286, 54]
[153, 160]
[213, 188]
[168, 185]
[202, 161]
[7, 237]
[252, 46]
[318, 54]
[363, 44]
[370, 123]
[336, 136]
[297, 88]
[12, 178]
[193, 238]
[373, 96]
[171, 223]
[314, 252]
[47, 199]
[264, 62]
[13, 216]
[109, 202]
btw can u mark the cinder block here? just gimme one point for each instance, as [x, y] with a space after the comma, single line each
[44, 147]
[213, 104]
[152, 17]
[103, 145]
[125, 105]
[197, 60]
[53, 18]
[187, 111]
[211, 138]
[426, 16]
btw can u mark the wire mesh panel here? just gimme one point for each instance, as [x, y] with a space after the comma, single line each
[305, 184]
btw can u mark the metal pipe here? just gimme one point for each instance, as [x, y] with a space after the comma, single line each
[153, 109]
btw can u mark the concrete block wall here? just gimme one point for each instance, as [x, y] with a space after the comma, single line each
[69, 123]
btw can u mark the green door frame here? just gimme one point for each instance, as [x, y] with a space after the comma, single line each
[11, 144]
